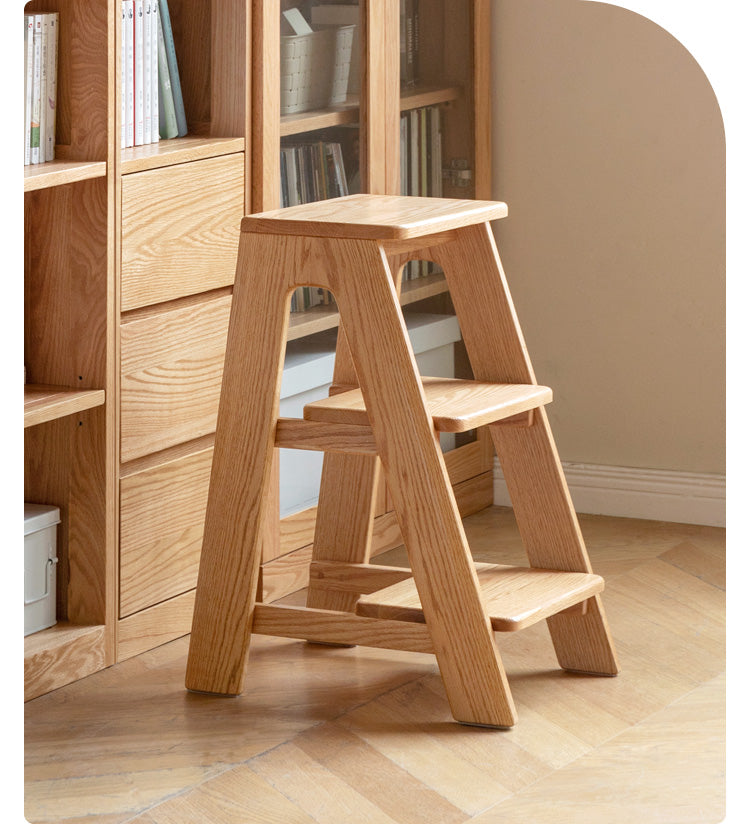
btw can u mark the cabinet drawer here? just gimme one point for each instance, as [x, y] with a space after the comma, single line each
[161, 529]
[180, 229]
[170, 378]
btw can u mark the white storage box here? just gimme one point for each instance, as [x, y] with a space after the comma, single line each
[315, 68]
[308, 371]
[39, 566]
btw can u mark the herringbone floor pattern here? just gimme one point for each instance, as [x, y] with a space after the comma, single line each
[350, 736]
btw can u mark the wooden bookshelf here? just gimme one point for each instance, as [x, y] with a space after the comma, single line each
[69, 344]
[129, 266]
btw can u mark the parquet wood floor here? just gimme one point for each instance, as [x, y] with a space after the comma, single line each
[343, 736]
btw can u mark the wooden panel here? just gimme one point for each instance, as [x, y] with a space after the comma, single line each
[60, 655]
[180, 227]
[171, 368]
[155, 626]
[266, 109]
[161, 530]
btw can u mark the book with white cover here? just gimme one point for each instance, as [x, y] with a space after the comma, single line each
[146, 71]
[50, 101]
[123, 77]
[36, 99]
[43, 89]
[154, 72]
[138, 72]
[28, 83]
[128, 32]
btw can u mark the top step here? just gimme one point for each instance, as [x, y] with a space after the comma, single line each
[375, 217]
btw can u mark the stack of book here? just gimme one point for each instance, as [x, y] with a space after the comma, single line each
[151, 94]
[40, 86]
[312, 170]
[421, 165]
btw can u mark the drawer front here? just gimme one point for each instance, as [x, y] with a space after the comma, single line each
[180, 229]
[161, 530]
[170, 378]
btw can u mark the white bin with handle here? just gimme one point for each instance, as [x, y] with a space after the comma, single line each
[39, 566]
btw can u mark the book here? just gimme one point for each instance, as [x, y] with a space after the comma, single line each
[28, 83]
[154, 71]
[128, 32]
[34, 132]
[49, 102]
[138, 72]
[146, 71]
[174, 74]
[167, 116]
[43, 87]
[409, 46]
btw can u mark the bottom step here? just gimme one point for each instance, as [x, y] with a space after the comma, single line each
[516, 597]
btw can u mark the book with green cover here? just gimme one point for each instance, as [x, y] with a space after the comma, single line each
[167, 116]
[174, 74]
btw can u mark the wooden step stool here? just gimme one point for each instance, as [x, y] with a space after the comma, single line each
[381, 409]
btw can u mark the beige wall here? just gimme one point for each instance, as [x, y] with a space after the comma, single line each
[609, 150]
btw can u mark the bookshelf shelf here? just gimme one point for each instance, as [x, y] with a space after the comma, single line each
[60, 173]
[310, 121]
[177, 150]
[429, 96]
[42, 403]
[348, 113]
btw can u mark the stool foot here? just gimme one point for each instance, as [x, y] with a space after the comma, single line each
[582, 642]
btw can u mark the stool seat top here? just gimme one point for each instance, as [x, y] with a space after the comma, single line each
[375, 217]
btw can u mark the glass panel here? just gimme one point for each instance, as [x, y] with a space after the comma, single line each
[320, 112]
[320, 59]
[436, 147]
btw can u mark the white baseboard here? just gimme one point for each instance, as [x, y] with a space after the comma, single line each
[652, 494]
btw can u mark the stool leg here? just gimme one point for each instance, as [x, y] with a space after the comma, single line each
[441, 563]
[241, 470]
[528, 455]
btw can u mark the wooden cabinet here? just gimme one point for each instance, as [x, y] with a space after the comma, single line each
[70, 397]
[130, 257]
